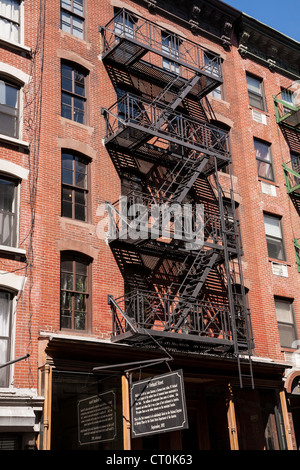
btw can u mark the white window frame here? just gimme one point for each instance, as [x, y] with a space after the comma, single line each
[20, 78]
[289, 323]
[20, 41]
[12, 283]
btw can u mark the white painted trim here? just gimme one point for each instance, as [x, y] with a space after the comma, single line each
[14, 73]
[12, 281]
[13, 169]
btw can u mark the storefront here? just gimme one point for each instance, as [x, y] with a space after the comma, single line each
[88, 407]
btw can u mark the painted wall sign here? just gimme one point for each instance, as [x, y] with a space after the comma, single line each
[158, 405]
[97, 418]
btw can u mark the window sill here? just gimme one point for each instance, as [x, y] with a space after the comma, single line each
[78, 223]
[14, 141]
[13, 251]
[259, 110]
[64, 34]
[65, 121]
[273, 260]
[268, 182]
[15, 45]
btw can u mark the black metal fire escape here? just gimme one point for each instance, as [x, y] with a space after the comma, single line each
[167, 154]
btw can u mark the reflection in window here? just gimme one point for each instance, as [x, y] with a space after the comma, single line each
[9, 109]
[73, 93]
[5, 335]
[72, 17]
[74, 292]
[274, 237]
[264, 160]
[74, 186]
[10, 20]
[170, 45]
[286, 323]
[8, 218]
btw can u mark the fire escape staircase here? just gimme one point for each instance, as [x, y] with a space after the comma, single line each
[197, 145]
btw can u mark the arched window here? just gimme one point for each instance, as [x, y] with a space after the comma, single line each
[75, 303]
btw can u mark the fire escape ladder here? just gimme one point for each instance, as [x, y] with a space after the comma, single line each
[184, 186]
[243, 361]
[191, 287]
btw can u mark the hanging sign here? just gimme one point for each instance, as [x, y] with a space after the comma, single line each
[158, 405]
[97, 418]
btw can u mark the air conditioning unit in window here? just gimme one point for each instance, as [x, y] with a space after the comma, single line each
[259, 117]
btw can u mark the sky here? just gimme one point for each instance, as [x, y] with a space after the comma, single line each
[283, 15]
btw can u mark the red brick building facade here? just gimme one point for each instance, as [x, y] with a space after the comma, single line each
[156, 101]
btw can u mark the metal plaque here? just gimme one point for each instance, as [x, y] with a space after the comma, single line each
[158, 405]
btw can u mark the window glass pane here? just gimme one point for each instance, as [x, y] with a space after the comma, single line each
[11, 96]
[275, 249]
[67, 160]
[272, 226]
[7, 195]
[79, 84]
[78, 7]
[265, 170]
[80, 197]
[284, 311]
[253, 84]
[287, 335]
[80, 212]
[67, 176]
[5, 299]
[66, 22]
[66, 3]
[262, 150]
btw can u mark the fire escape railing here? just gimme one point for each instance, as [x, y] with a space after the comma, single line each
[156, 221]
[287, 112]
[207, 321]
[151, 120]
[296, 242]
[148, 37]
[292, 177]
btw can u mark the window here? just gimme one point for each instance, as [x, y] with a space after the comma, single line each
[285, 321]
[170, 45]
[10, 20]
[73, 99]
[75, 297]
[8, 218]
[274, 237]
[71, 17]
[264, 160]
[74, 186]
[124, 23]
[212, 66]
[5, 334]
[256, 93]
[9, 109]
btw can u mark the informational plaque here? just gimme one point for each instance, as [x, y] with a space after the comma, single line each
[158, 405]
[97, 418]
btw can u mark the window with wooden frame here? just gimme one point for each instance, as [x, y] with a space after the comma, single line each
[72, 17]
[286, 323]
[73, 92]
[10, 20]
[256, 92]
[6, 300]
[273, 230]
[75, 299]
[8, 211]
[74, 178]
[264, 160]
